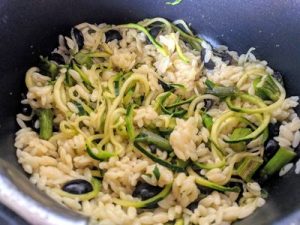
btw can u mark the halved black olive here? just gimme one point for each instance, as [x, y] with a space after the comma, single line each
[112, 35]
[210, 65]
[146, 191]
[153, 148]
[208, 103]
[78, 37]
[271, 147]
[78, 187]
[26, 109]
[193, 206]
[154, 31]
[57, 58]
[165, 86]
[224, 55]
[274, 129]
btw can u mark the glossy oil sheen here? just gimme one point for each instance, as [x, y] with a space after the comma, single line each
[30, 28]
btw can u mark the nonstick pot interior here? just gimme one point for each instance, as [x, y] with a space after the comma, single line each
[30, 28]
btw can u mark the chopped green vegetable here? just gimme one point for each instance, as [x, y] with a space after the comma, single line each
[175, 2]
[149, 137]
[156, 172]
[129, 122]
[248, 167]
[280, 159]
[49, 68]
[207, 121]
[83, 197]
[218, 90]
[156, 159]
[237, 134]
[142, 204]
[266, 88]
[46, 123]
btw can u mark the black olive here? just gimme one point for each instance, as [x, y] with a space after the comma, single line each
[210, 65]
[145, 191]
[165, 86]
[154, 31]
[204, 190]
[202, 54]
[274, 129]
[238, 184]
[78, 37]
[153, 148]
[26, 109]
[78, 187]
[193, 206]
[66, 44]
[224, 55]
[57, 58]
[208, 103]
[277, 75]
[32, 123]
[112, 35]
[271, 148]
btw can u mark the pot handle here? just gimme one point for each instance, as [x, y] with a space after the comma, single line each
[18, 194]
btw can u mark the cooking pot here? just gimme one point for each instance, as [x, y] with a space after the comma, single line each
[30, 28]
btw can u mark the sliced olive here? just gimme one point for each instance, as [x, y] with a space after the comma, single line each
[57, 58]
[193, 206]
[78, 37]
[154, 31]
[145, 191]
[208, 103]
[26, 109]
[224, 55]
[204, 190]
[210, 65]
[112, 35]
[271, 147]
[152, 148]
[274, 129]
[78, 187]
[165, 86]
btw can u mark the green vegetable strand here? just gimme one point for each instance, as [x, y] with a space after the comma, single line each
[46, 123]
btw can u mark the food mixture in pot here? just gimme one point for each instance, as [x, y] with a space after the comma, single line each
[147, 123]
